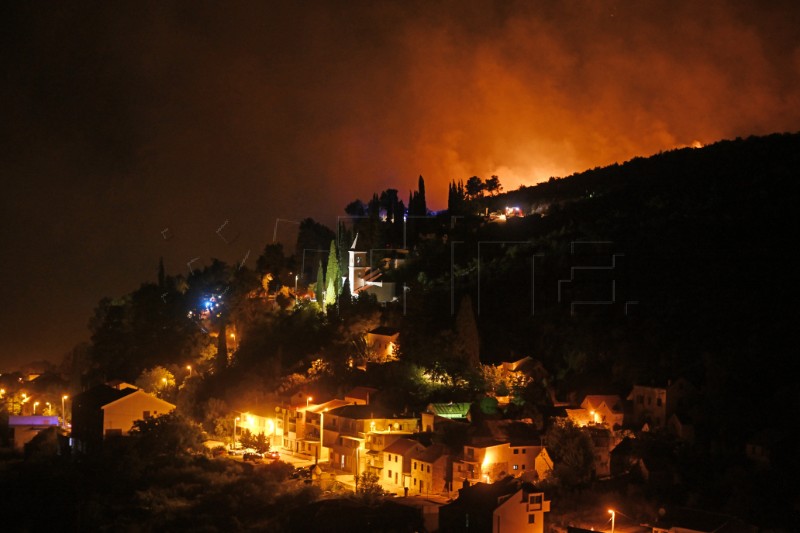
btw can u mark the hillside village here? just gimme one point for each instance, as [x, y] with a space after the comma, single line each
[509, 361]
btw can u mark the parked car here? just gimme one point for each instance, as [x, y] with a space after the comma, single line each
[273, 455]
[252, 456]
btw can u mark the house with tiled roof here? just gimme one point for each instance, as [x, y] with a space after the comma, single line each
[383, 341]
[431, 471]
[607, 409]
[397, 463]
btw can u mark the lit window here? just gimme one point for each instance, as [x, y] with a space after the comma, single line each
[516, 467]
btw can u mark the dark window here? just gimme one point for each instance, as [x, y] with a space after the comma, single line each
[658, 402]
[516, 451]
[531, 518]
[146, 415]
[524, 451]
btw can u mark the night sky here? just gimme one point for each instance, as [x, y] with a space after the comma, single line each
[121, 120]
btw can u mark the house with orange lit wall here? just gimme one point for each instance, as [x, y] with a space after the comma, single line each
[397, 463]
[352, 425]
[269, 426]
[119, 415]
[489, 461]
[606, 409]
[430, 472]
[383, 341]
[522, 511]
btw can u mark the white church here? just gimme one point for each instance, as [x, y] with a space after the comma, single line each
[365, 277]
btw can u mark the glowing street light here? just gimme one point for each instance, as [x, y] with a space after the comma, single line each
[295, 287]
[34, 407]
[613, 516]
[189, 368]
[233, 336]
[308, 400]
[234, 431]
[49, 408]
[63, 412]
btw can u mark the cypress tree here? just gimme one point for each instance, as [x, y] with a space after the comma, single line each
[320, 286]
[332, 278]
[422, 205]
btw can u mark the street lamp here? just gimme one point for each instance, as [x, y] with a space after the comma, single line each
[49, 408]
[308, 400]
[233, 336]
[189, 368]
[234, 431]
[613, 516]
[34, 407]
[63, 413]
[295, 287]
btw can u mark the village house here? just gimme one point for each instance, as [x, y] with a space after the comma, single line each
[348, 428]
[382, 341]
[490, 460]
[507, 505]
[103, 412]
[397, 464]
[654, 404]
[431, 471]
[606, 409]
